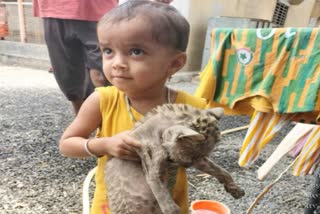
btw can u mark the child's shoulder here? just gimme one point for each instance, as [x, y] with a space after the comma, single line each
[108, 91]
[109, 95]
[186, 98]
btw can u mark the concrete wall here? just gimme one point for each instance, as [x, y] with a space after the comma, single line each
[24, 54]
[34, 27]
[316, 10]
[315, 15]
[299, 15]
[198, 13]
[262, 9]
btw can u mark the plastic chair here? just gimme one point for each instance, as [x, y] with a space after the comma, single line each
[85, 191]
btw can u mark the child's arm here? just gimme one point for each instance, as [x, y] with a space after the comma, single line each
[88, 119]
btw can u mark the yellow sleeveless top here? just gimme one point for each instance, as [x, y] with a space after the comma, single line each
[115, 119]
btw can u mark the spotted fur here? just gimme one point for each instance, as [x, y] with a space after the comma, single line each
[171, 135]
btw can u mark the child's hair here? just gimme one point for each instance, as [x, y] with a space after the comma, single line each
[168, 26]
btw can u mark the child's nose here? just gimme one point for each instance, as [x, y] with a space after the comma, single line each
[119, 62]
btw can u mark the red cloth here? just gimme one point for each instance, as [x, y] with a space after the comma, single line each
[4, 31]
[88, 10]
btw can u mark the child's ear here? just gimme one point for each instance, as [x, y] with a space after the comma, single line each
[177, 62]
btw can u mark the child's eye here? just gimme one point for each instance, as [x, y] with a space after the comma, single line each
[107, 51]
[136, 52]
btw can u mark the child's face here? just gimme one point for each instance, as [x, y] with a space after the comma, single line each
[132, 60]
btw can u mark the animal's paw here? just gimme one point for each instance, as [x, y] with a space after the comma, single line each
[176, 212]
[235, 191]
[170, 209]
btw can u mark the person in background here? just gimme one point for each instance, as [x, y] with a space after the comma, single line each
[70, 35]
[4, 31]
[138, 59]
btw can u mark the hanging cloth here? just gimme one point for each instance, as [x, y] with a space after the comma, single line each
[265, 70]
[263, 127]
[309, 157]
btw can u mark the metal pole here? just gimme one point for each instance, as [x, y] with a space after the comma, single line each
[22, 25]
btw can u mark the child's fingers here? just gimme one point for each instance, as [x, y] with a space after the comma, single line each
[131, 141]
[132, 158]
[128, 147]
[135, 144]
[128, 154]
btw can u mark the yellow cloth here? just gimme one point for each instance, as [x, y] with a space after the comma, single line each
[263, 127]
[309, 157]
[115, 119]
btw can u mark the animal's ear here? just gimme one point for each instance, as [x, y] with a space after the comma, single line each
[191, 134]
[178, 132]
[218, 112]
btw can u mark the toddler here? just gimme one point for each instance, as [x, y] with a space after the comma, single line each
[143, 45]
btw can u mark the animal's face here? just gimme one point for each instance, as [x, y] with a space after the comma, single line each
[191, 140]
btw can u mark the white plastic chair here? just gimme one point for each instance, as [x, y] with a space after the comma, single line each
[85, 191]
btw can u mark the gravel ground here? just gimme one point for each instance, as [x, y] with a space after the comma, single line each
[35, 178]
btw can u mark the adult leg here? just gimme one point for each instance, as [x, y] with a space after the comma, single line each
[76, 104]
[88, 36]
[66, 56]
[97, 77]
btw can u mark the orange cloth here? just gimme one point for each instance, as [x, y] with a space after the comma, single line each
[4, 30]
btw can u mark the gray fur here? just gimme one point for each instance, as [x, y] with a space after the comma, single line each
[171, 135]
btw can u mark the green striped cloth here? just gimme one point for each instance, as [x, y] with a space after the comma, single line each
[266, 68]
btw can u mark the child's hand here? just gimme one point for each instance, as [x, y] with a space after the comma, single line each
[123, 146]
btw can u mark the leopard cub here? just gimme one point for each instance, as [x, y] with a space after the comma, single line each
[171, 136]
